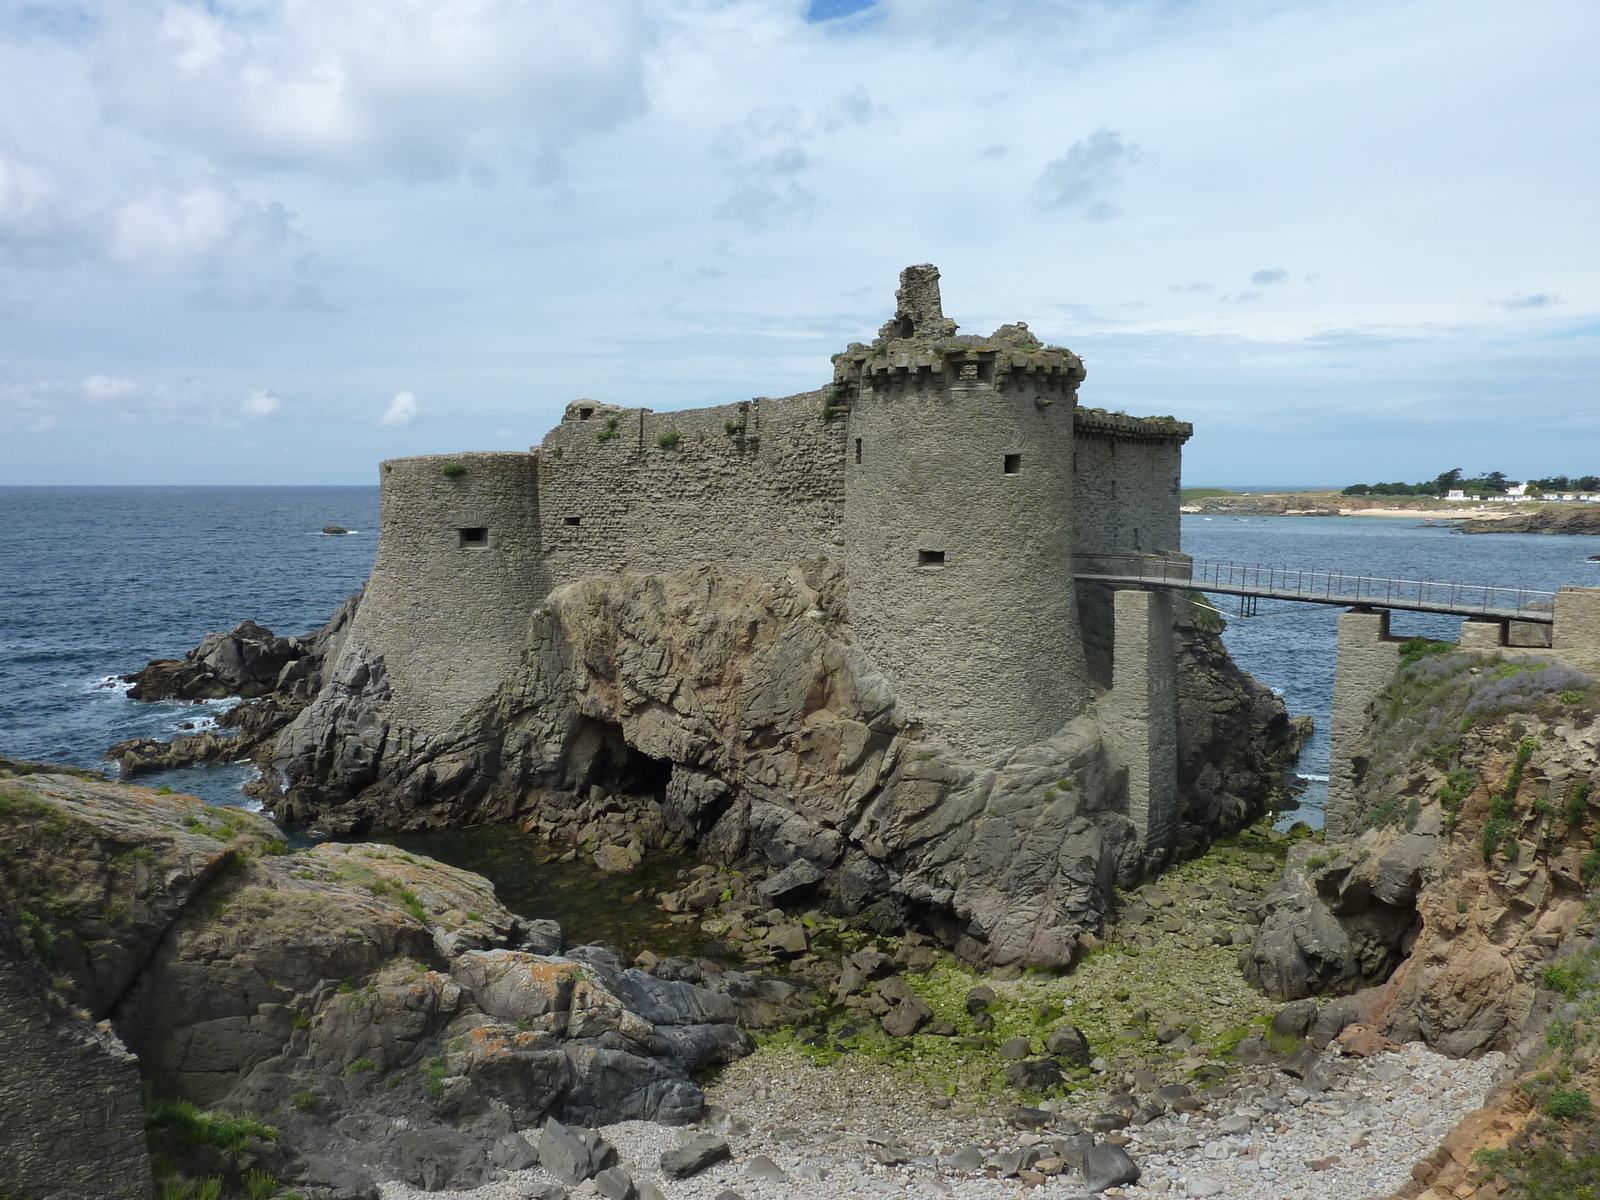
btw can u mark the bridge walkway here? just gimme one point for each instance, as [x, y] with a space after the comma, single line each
[1310, 586]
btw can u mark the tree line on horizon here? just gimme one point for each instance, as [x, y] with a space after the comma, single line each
[1491, 483]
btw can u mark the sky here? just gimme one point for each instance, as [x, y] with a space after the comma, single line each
[277, 241]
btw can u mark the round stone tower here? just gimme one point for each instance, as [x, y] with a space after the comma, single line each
[958, 521]
[459, 572]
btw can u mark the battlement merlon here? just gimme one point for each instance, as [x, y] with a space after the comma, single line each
[1097, 422]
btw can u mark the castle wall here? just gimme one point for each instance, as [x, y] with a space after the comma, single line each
[1126, 474]
[758, 485]
[1126, 483]
[983, 643]
[458, 575]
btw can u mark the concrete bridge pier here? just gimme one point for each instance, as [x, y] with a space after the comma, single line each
[1141, 712]
[1367, 658]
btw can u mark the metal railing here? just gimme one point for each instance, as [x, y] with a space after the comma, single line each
[1317, 587]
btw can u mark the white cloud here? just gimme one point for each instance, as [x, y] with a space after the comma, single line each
[36, 225]
[1084, 178]
[1269, 276]
[101, 389]
[169, 230]
[415, 86]
[260, 403]
[402, 410]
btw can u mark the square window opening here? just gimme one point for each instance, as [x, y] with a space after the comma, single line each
[585, 413]
[476, 536]
[930, 558]
[1013, 464]
[570, 520]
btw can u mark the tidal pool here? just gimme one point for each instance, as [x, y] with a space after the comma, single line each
[592, 906]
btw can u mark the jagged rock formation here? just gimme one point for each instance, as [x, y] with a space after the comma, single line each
[1480, 797]
[384, 1011]
[772, 739]
[281, 674]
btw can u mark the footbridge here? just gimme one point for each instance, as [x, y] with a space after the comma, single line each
[1497, 620]
[1312, 586]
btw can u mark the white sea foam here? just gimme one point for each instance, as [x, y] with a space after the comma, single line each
[1311, 778]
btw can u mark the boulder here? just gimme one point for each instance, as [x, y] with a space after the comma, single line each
[1068, 1043]
[693, 1156]
[1106, 1166]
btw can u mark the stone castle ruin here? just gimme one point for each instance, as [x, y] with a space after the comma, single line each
[838, 631]
[953, 477]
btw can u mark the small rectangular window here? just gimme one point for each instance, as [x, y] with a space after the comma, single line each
[585, 413]
[1013, 464]
[478, 536]
[570, 520]
[858, 450]
[930, 558]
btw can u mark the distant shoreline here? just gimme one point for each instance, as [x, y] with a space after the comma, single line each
[1516, 516]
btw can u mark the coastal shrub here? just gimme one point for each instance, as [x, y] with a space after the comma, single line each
[609, 432]
[730, 427]
[259, 1185]
[1384, 812]
[434, 1073]
[1571, 697]
[408, 899]
[360, 1065]
[1499, 833]
[305, 1101]
[1589, 871]
[1413, 814]
[1566, 1103]
[669, 439]
[1569, 976]
[1453, 792]
[453, 470]
[828, 403]
[1577, 807]
[1316, 862]
[1521, 684]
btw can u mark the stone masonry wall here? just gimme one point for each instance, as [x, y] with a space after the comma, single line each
[958, 550]
[71, 1119]
[1126, 483]
[758, 484]
[1367, 658]
[457, 576]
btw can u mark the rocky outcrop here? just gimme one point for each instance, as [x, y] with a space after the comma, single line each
[387, 1014]
[1563, 518]
[741, 711]
[275, 676]
[1234, 735]
[1480, 806]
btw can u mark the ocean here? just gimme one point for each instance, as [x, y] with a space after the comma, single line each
[101, 580]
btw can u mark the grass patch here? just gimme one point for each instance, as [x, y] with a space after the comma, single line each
[609, 432]
[669, 440]
[195, 1127]
[1188, 494]
[453, 470]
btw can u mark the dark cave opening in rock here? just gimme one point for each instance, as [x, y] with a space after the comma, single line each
[601, 757]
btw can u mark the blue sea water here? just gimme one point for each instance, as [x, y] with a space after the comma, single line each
[100, 580]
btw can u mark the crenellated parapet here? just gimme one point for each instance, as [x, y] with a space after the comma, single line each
[1097, 422]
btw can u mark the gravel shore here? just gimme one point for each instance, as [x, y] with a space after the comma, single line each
[860, 1129]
